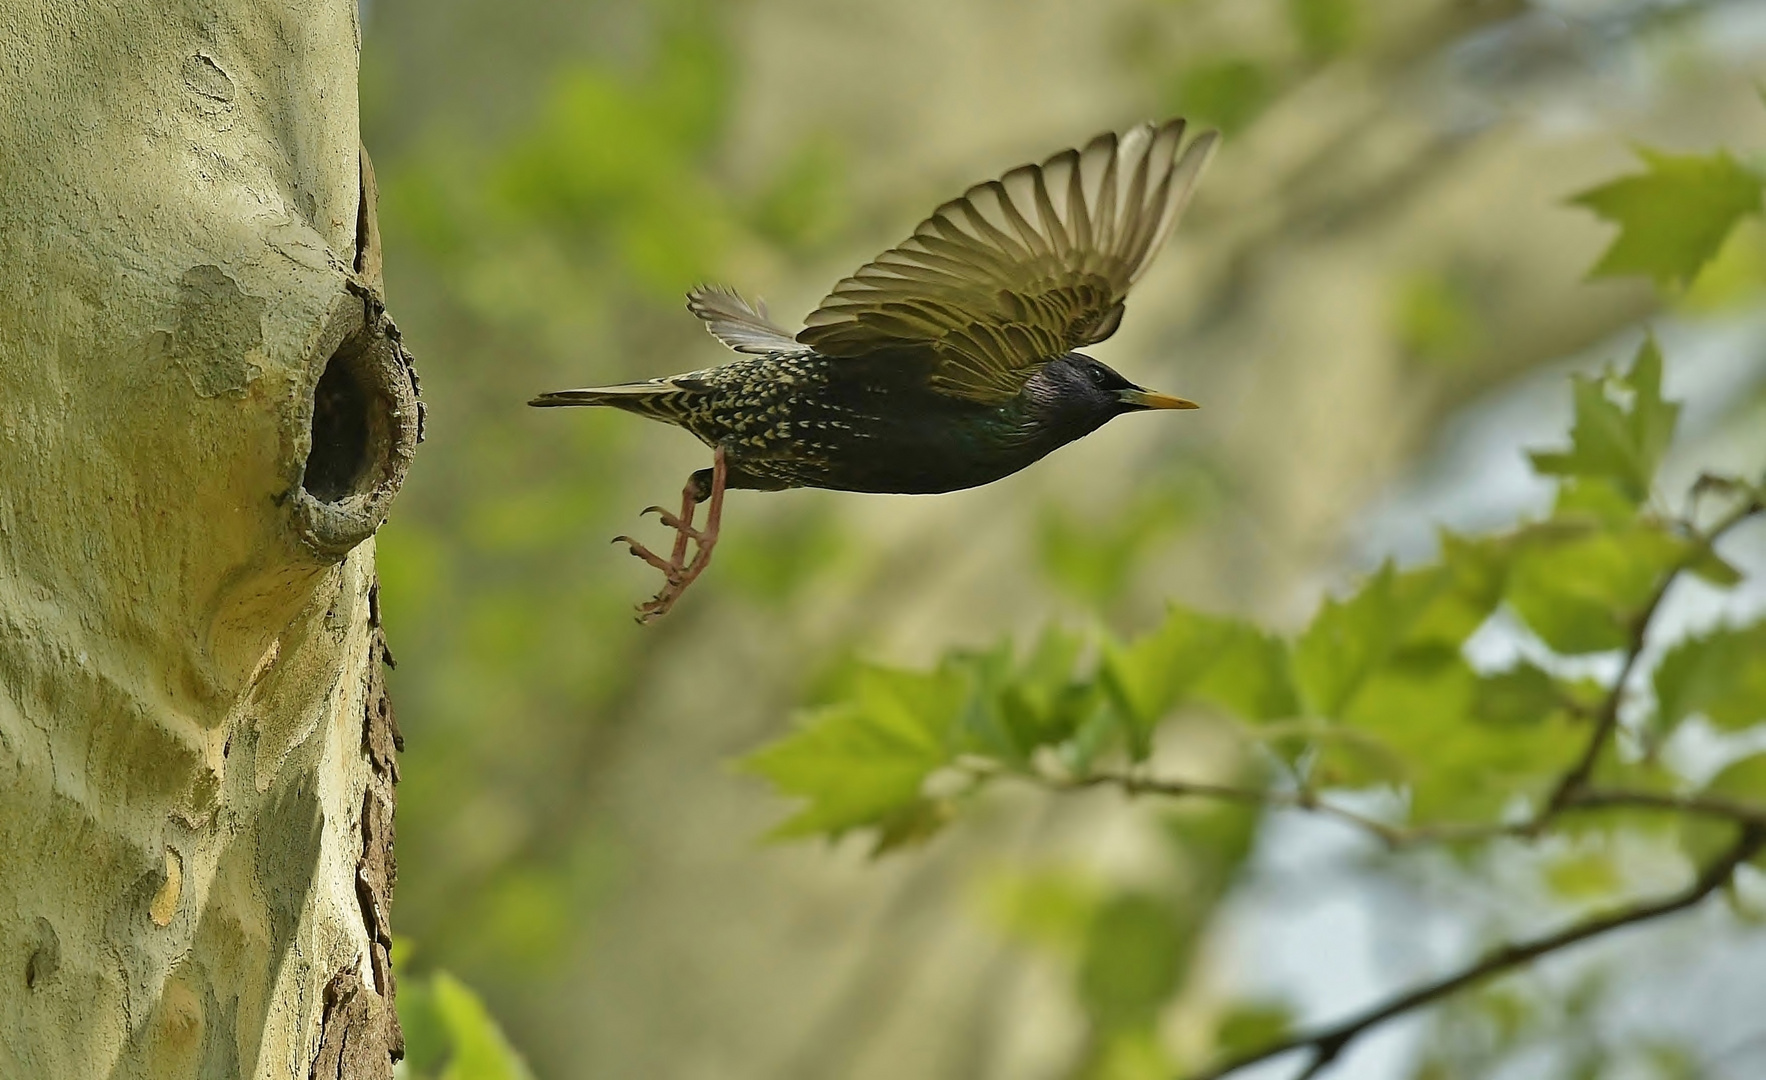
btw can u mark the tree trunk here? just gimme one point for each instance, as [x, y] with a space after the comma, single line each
[204, 414]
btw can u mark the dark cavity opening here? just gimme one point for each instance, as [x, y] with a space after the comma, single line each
[341, 434]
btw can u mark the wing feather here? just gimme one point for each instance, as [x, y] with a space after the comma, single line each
[1019, 269]
[733, 321]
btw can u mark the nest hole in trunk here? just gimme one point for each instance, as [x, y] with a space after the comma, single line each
[364, 422]
[342, 433]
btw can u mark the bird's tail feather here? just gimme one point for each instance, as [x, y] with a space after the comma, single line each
[621, 395]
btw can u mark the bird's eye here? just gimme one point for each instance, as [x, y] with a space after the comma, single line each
[1098, 376]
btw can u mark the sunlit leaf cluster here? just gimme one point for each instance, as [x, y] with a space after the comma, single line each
[1378, 692]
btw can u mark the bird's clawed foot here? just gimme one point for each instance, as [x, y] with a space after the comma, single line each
[682, 525]
[677, 571]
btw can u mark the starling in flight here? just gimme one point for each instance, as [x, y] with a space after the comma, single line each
[945, 363]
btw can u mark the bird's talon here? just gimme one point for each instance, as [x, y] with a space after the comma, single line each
[671, 571]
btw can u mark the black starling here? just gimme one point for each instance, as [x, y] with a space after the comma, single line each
[945, 363]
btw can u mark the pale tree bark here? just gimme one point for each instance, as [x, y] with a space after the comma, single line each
[204, 414]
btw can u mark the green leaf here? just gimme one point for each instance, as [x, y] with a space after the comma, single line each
[481, 1051]
[1465, 745]
[1673, 217]
[1429, 610]
[1037, 702]
[1721, 674]
[1524, 694]
[426, 1036]
[1715, 569]
[1197, 657]
[450, 1035]
[1734, 277]
[1580, 593]
[1250, 677]
[1703, 837]
[1621, 429]
[1136, 952]
[1591, 501]
[1588, 872]
[1347, 758]
[1251, 1025]
[860, 761]
[912, 824]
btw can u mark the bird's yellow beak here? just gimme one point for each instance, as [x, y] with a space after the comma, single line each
[1146, 399]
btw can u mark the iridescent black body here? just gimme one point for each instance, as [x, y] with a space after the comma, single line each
[869, 423]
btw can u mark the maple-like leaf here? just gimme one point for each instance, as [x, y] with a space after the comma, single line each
[1673, 217]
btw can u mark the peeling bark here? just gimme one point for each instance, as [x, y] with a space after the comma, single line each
[205, 413]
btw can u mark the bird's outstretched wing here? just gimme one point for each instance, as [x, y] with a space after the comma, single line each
[737, 324]
[1023, 268]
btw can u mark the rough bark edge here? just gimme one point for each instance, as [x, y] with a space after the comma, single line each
[365, 352]
[370, 271]
[359, 1033]
[360, 1037]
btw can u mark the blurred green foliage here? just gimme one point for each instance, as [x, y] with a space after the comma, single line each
[549, 249]
[1437, 318]
[1326, 28]
[1130, 950]
[1376, 689]
[1227, 93]
[570, 169]
[449, 1035]
[1376, 692]
[1097, 557]
[1485, 1030]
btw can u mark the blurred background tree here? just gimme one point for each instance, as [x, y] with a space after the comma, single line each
[1376, 297]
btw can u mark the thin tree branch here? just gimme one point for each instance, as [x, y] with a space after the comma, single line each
[1607, 717]
[1401, 836]
[1751, 815]
[1571, 793]
[1328, 1043]
[1393, 836]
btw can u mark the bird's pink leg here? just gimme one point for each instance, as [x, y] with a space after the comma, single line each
[677, 572]
[682, 525]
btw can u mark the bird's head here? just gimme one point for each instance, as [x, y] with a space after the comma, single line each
[1078, 395]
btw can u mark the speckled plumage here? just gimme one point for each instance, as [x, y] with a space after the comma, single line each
[947, 362]
[871, 424]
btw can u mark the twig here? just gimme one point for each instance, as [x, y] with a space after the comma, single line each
[1571, 793]
[1746, 814]
[1328, 1043]
[1607, 717]
[1393, 836]
[1401, 836]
